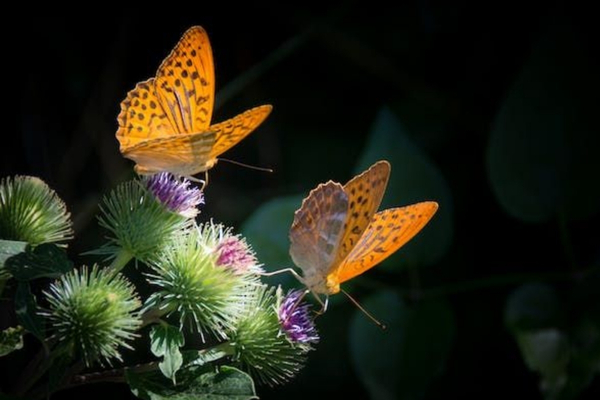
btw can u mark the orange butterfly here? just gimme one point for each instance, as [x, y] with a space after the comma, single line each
[337, 233]
[164, 123]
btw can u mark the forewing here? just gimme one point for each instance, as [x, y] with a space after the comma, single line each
[233, 130]
[185, 83]
[364, 192]
[317, 229]
[141, 118]
[389, 230]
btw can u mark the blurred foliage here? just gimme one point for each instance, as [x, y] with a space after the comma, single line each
[486, 108]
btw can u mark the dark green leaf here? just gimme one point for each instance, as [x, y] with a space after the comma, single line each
[533, 306]
[10, 248]
[165, 341]
[543, 150]
[44, 261]
[267, 232]
[11, 339]
[402, 361]
[195, 383]
[414, 178]
[26, 309]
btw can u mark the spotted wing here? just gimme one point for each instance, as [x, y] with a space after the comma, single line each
[141, 117]
[317, 229]
[230, 132]
[183, 155]
[364, 192]
[389, 230]
[185, 83]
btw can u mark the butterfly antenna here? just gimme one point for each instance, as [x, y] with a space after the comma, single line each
[246, 165]
[372, 318]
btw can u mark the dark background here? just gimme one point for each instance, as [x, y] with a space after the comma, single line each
[445, 71]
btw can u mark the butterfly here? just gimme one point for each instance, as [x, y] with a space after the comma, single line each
[337, 234]
[165, 122]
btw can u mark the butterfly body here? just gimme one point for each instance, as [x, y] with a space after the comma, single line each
[337, 233]
[165, 122]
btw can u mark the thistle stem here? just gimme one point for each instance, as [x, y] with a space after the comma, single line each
[121, 260]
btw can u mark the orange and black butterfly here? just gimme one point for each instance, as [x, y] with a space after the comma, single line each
[337, 233]
[165, 122]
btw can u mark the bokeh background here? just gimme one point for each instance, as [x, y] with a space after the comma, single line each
[488, 108]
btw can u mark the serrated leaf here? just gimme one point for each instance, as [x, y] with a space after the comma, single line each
[542, 155]
[11, 339]
[195, 383]
[44, 261]
[414, 178]
[403, 360]
[26, 309]
[165, 341]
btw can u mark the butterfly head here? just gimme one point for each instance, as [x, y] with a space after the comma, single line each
[322, 285]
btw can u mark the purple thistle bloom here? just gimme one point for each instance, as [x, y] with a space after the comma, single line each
[176, 195]
[233, 252]
[295, 319]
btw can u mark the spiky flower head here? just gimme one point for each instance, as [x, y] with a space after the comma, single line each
[140, 223]
[295, 318]
[231, 251]
[177, 195]
[94, 311]
[260, 344]
[192, 286]
[32, 212]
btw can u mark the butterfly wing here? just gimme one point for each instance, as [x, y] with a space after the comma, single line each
[141, 117]
[230, 132]
[317, 230]
[389, 230]
[183, 155]
[185, 83]
[365, 193]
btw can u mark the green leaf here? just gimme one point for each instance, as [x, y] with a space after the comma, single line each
[195, 383]
[267, 231]
[8, 249]
[11, 339]
[414, 178]
[44, 261]
[542, 156]
[533, 306]
[402, 361]
[165, 341]
[26, 309]
[545, 351]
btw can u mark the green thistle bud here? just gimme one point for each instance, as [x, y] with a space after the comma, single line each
[193, 286]
[32, 212]
[94, 312]
[140, 223]
[260, 344]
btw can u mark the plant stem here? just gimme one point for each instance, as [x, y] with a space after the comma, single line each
[122, 258]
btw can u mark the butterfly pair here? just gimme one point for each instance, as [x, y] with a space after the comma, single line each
[337, 233]
[165, 122]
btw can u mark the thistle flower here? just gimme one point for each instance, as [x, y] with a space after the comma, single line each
[176, 195]
[261, 347]
[95, 312]
[32, 212]
[232, 251]
[140, 223]
[191, 285]
[295, 318]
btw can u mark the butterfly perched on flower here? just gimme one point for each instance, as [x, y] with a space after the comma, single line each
[337, 233]
[165, 122]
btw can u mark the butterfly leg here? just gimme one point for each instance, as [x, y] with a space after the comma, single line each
[324, 304]
[200, 181]
[290, 270]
